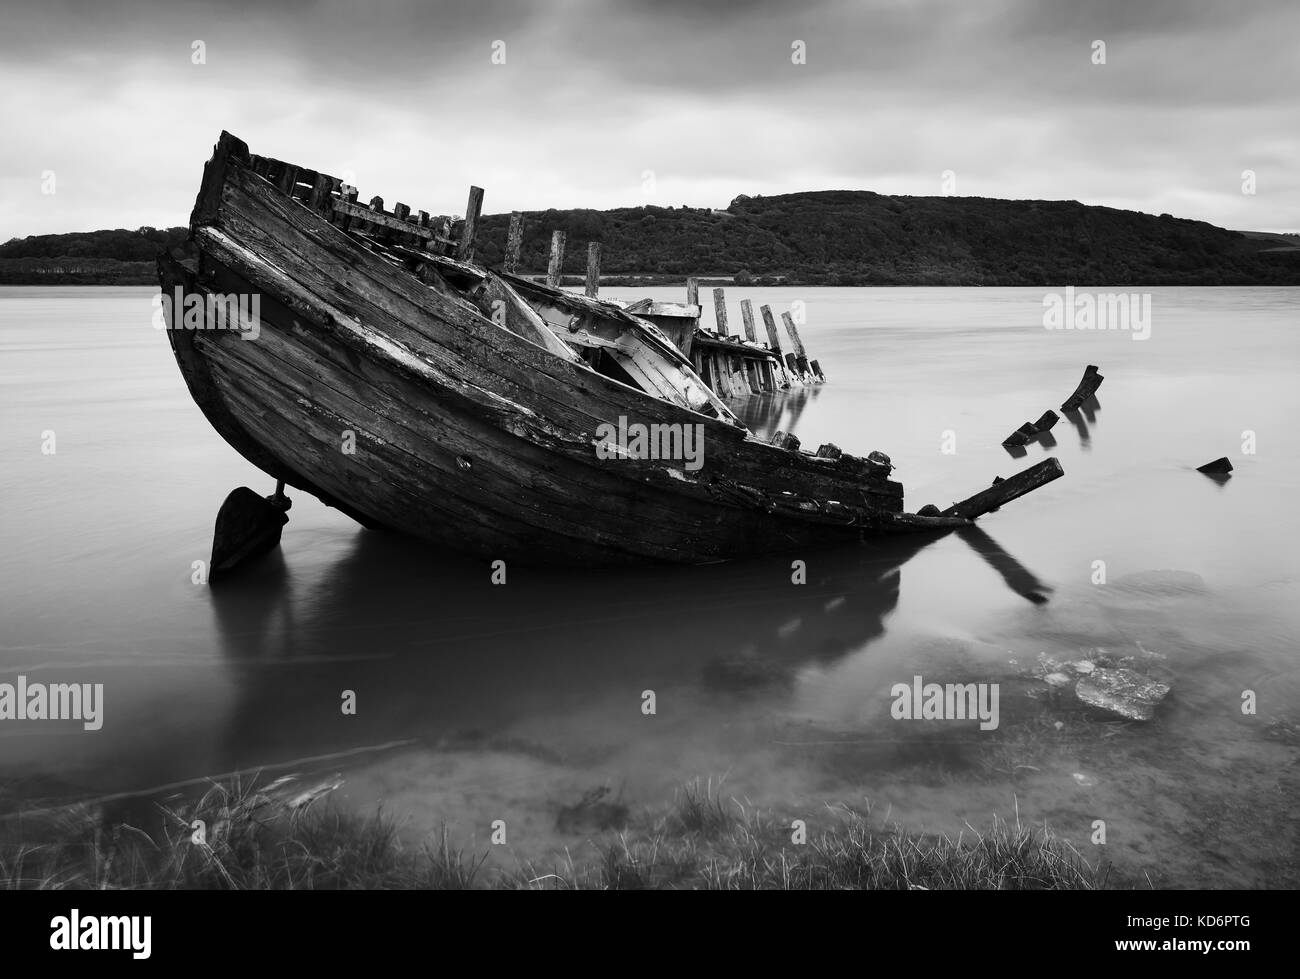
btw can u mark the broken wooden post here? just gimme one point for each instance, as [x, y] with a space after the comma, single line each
[692, 292]
[514, 242]
[1086, 389]
[1006, 490]
[350, 195]
[773, 338]
[801, 355]
[557, 259]
[593, 269]
[468, 231]
[1048, 419]
[720, 312]
[321, 189]
[747, 314]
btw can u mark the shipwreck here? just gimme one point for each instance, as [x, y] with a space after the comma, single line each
[397, 380]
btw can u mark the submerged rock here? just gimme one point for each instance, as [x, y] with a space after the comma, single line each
[1122, 692]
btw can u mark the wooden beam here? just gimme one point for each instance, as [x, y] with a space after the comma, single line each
[799, 351]
[514, 242]
[1007, 490]
[593, 269]
[553, 271]
[350, 209]
[468, 232]
[692, 292]
[747, 314]
[720, 311]
[773, 337]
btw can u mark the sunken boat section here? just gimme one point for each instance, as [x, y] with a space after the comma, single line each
[393, 378]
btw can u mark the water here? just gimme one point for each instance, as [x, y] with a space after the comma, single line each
[479, 702]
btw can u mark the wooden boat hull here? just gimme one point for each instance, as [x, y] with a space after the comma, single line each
[411, 410]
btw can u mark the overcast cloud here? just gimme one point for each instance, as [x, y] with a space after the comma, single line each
[593, 94]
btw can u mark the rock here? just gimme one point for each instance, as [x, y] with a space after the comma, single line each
[1122, 692]
[1087, 781]
[1083, 666]
[1216, 468]
[1057, 679]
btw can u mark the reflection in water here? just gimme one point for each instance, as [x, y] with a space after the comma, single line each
[1018, 578]
[777, 411]
[1077, 418]
[433, 650]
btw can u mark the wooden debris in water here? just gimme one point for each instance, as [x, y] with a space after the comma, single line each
[1218, 467]
[1086, 389]
[1006, 490]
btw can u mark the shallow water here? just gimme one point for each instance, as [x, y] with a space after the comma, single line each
[479, 702]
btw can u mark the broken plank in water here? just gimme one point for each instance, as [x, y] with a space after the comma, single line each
[1086, 389]
[1007, 490]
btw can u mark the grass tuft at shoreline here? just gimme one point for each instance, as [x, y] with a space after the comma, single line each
[252, 841]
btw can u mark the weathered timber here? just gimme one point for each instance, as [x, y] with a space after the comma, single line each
[1021, 435]
[1007, 490]
[593, 269]
[1216, 468]
[469, 230]
[1047, 421]
[720, 312]
[692, 292]
[376, 215]
[322, 191]
[773, 337]
[747, 315]
[1086, 389]
[555, 269]
[514, 242]
[790, 328]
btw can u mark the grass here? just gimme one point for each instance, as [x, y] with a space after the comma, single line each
[252, 840]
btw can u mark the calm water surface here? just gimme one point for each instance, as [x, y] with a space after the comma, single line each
[479, 702]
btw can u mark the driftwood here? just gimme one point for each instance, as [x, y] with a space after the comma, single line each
[1086, 389]
[1005, 490]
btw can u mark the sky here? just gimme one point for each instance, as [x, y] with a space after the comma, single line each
[109, 108]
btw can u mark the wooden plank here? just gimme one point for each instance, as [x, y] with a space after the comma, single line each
[514, 242]
[692, 292]
[720, 311]
[469, 231]
[747, 314]
[593, 269]
[790, 328]
[1007, 490]
[773, 337]
[554, 269]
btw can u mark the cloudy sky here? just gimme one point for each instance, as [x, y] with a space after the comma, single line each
[602, 103]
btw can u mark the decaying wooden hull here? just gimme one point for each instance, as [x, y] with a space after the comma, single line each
[405, 406]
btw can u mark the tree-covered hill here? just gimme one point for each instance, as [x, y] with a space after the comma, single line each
[820, 238]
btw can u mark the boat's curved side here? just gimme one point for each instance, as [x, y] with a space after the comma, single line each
[411, 410]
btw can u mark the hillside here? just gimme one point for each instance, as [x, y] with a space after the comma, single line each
[818, 238]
